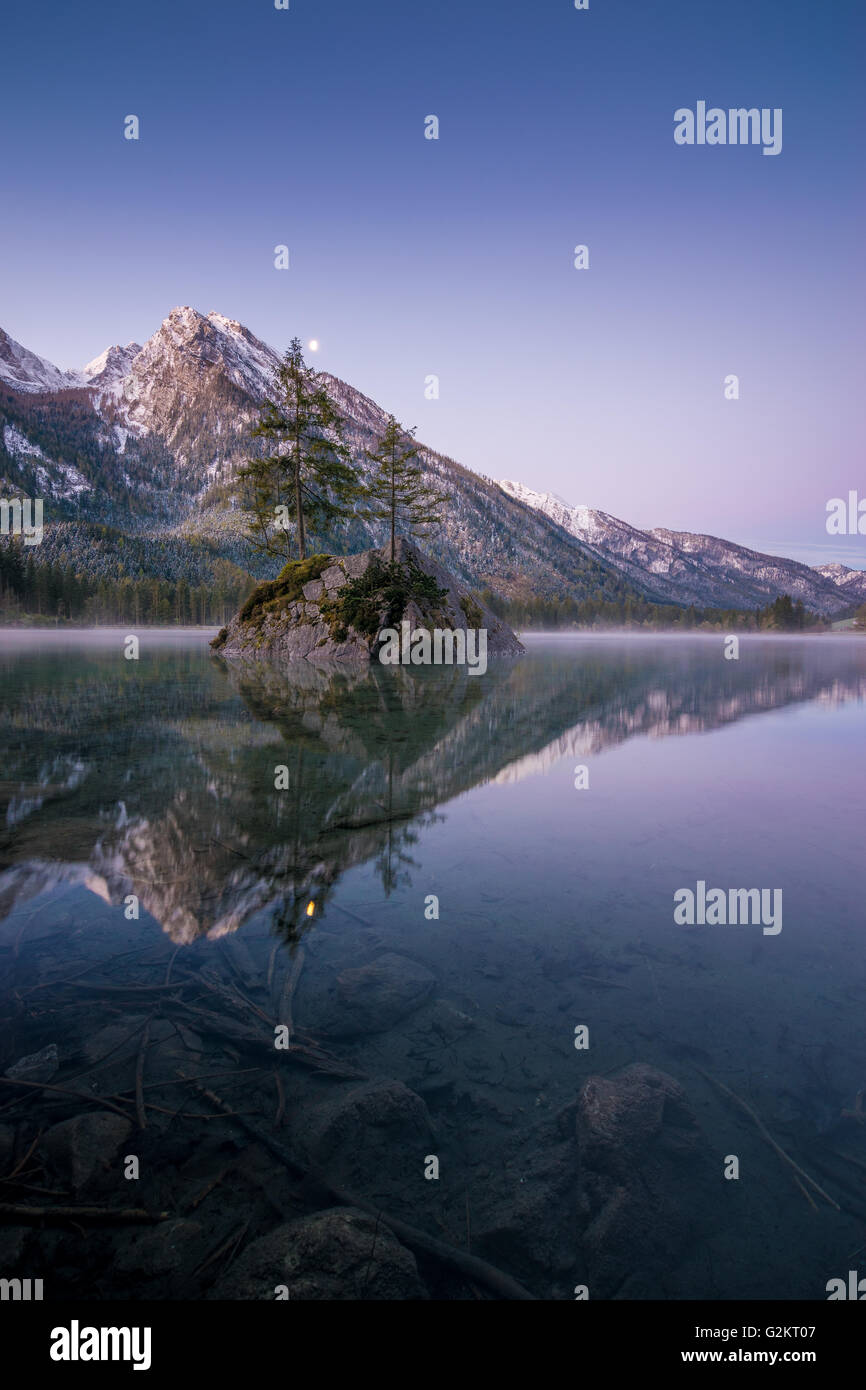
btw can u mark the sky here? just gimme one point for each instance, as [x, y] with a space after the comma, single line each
[454, 257]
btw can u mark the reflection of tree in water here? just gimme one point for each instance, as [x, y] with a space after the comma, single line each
[378, 725]
[392, 863]
[163, 786]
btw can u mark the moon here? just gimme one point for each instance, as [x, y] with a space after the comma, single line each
[313, 345]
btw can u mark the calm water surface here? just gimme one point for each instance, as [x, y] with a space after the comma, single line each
[156, 778]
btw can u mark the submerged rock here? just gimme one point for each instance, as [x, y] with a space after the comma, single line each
[304, 613]
[377, 1130]
[371, 998]
[618, 1117]
[154, 1253]
[340, 1253]
[644, 1180]
[527, 1221]
[39, 1066]
[86, 1146]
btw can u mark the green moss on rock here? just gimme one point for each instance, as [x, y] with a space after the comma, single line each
[274, 595]
[472, 612]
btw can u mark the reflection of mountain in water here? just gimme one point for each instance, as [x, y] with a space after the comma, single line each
[161, 783]
[683, 691]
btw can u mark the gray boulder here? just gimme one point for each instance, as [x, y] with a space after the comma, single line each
[379, 1122]
[646, 1183]
[341, 1253]
[86, 1147]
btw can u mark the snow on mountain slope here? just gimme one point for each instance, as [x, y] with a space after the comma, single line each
[150, 386]
[249, 362]
[851, 581]
[767, 574]
[190, 356]
[106, 373]
[681, 567]
[354, 406]
[633, 547]
[22, 369]
[163, 429]
[18, 444]
[160, 430]
[53, 479]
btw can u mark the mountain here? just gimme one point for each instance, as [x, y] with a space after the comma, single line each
[26, 372]
[136, 454]
[852, 582]
[680, 567]
[106, 373]
[135, 457]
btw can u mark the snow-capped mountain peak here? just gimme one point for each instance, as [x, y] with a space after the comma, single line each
[213, 341]
[171, 421]
[107, 371]
[228, 325]
[682, 567]
[25, 371]
[190, 356]
[851, 581]
[586, 523]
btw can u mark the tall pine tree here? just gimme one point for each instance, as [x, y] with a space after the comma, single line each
[396, 491]
[308, 476]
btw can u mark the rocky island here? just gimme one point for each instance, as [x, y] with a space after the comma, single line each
[336, 608]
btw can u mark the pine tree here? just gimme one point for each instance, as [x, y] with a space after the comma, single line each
[309, 473]
[396, 491]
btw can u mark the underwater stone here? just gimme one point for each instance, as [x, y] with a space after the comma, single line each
[39, 1066]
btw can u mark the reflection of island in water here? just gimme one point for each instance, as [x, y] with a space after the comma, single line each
[166, 787]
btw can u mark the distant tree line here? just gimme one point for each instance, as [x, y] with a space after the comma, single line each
[50, 593]
[34, 592]
[783, 614]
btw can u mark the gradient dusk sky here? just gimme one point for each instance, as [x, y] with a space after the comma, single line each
[455, 257]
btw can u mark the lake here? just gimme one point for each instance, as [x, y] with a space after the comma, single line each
[456, 896]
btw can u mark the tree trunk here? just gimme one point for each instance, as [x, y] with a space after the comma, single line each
[393, 508]
[302, 547]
